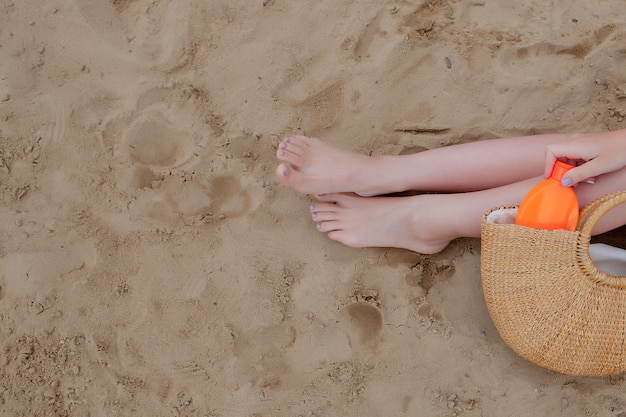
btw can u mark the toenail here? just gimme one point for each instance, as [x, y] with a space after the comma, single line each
[314, 215]
[288, 140]
[311, 207]
[283, 145]
[286, 171]
[319, 226]
[281, 153]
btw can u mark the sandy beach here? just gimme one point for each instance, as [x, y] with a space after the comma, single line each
[152, 265]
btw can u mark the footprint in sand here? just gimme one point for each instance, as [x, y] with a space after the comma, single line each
[161, 155]
[229, 198]
[166, 131]
[363, 323]
[155, 148]
[103, 18]
[129, 26]
[318, 102]
[320, 110]
[550, 62]
[153, 141]
[382, 34]
[392, 25]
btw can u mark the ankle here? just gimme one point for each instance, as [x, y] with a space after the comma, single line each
[372, 174]
[427, 227]
[382, 176]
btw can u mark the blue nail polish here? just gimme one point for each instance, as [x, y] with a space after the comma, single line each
[314, 215]
[566, 182]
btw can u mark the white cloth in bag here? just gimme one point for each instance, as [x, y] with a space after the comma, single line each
[608, 258]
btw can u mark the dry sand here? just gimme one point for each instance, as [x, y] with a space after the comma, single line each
[150, 263]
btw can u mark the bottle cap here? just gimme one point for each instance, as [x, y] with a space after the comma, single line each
[559, 169]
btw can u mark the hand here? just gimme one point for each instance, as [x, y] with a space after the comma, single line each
[594, 154]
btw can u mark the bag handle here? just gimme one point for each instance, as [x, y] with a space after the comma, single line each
[589, 216]
[592, 212]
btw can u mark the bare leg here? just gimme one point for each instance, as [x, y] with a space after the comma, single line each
[427, 223]
[313, 167]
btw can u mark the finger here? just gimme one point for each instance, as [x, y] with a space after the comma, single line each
[583, 172]
[554, 152]
[550, 160]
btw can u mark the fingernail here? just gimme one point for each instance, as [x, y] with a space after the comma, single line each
[566, 182]
[591, 181]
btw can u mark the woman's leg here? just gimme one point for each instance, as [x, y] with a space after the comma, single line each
[427, 223]
[313, 167]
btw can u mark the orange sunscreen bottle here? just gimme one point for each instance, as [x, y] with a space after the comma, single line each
[549, 205]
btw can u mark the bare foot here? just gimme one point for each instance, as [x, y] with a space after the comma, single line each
[399, 222]
[311, 166]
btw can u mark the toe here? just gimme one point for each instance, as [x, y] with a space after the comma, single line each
[299, 141]
[323, 216]
[291, 177]
[341, 237]
[332, 198]
[284, 174]
[289, 153]
[328, 226]
[322, 207]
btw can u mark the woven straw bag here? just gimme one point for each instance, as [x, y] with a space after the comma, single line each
[548, 300]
